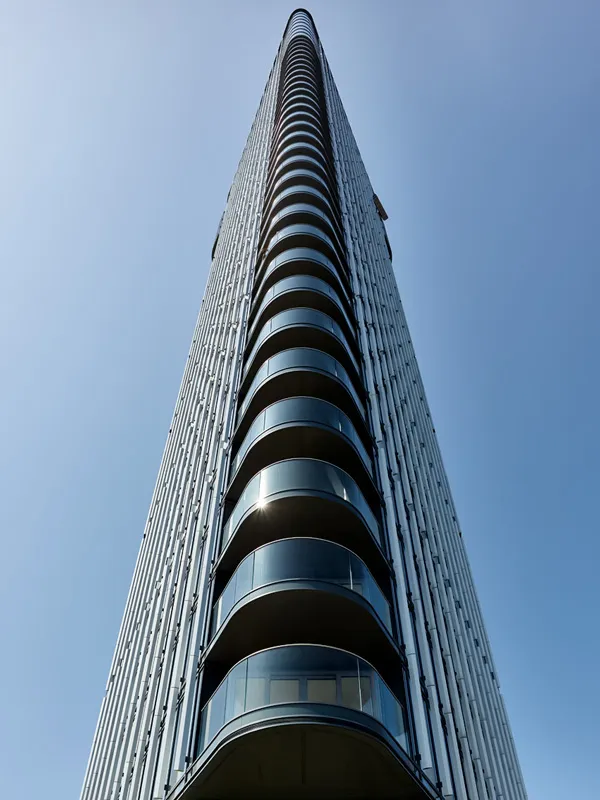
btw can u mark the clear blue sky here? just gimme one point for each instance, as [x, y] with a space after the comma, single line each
[122, 125]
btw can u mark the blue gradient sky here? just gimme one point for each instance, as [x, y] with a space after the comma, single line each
[122, 125]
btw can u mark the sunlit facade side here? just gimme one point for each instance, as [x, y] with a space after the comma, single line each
[302, 620]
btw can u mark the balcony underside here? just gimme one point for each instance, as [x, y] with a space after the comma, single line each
[299, 513]
[302, 611]
[301, 751]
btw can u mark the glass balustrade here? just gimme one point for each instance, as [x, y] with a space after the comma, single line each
[300, 559]
[316, 676]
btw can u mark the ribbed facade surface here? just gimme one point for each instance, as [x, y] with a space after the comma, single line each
[302, 620]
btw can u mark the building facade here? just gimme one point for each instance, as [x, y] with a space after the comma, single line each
[302, 621]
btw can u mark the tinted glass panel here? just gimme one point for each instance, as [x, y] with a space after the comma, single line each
[300, 559]
[303, 674]
[296, 475]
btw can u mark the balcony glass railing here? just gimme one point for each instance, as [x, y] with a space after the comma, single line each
[314, 293]
[291, 320]
[301, 358]
[300, 559]
[302, 412]
[319, 677]
[302, 258]
[298, 476]
[306, 214]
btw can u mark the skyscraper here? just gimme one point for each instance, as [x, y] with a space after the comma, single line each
[302, 621]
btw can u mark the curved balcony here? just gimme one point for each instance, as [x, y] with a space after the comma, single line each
[305, 70]
[303, 673]
[299, 89]
[301, 112]
[302, 149]
[302, 135]
[302, 234]
[306, 140]
[281, 594]
[292, 80]
[301, 371]
[304, 721]
[297, 176]
[297, 125]
[302, 193]
[298, 137]
[299, 496]
[296, 103]
[299, 50]
[298, 162]
[304, 261]
[299, 327]
[303, 213]
[298, 116]
[302, 427]
[301, 84]
[304, 559]
[304, 291]
[303, 67]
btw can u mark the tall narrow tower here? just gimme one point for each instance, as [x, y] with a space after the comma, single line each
[302, 621]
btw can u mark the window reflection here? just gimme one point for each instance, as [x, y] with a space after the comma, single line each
[300, 474]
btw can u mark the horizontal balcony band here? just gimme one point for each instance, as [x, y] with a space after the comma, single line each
[300, 89]
[299, 327]
[301, 214]
[299, 496]
[299, 136]
[301, 371]
[303, 427]
[298, 116]
[298, 67]
[303, 82]
[305, 60]
[295, 79]
[301, 261]
[303, 193]
[303, 751]
[311, 111]
[291, 166]
[298, 122]
[300, 48]
[300, 100]
[300, 130]
[303, 559]
[298, 234]
[301, 291]
[301, 149]
[302, 610]
[301, 107]
[303, 412]
[299, 162]
[298, 177]
[304, 673]
[302, 64]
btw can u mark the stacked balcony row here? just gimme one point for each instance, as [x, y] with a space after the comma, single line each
[302, 613]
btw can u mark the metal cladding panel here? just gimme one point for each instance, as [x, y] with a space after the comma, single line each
[148, 710]
[462, 729]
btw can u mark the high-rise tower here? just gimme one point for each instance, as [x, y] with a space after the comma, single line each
[302, 621]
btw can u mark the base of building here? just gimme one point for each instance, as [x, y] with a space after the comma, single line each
[298, 758]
